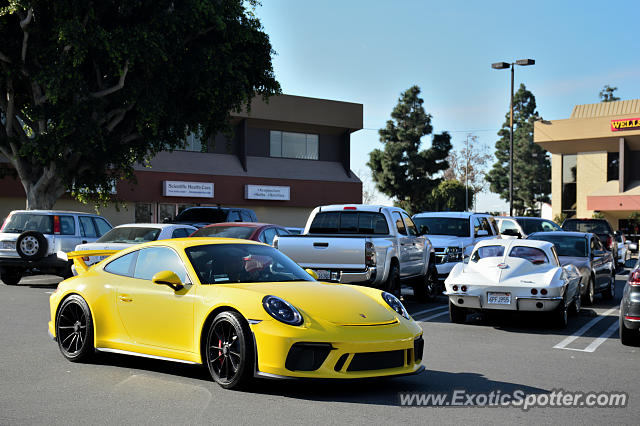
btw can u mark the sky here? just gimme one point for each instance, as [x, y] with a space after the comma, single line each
[369, 52]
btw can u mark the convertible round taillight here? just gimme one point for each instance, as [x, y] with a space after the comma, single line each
[543, 291]
[463, 288]
[534, 291]
[455, 287]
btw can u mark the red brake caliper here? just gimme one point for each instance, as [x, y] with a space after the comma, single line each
[220, 351]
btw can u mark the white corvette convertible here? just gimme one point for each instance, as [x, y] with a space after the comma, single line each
[513, 275]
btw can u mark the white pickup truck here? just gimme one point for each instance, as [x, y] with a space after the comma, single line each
[362, 244]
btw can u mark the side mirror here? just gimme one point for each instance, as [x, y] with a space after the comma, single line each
[312, 273]
[168, 278]
[482, 233]
[630, 263]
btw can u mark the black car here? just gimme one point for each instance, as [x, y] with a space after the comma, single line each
[585, 251]
[630, 306]
[601, 227]
[205, 215]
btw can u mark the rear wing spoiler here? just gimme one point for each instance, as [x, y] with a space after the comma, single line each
[78, 258]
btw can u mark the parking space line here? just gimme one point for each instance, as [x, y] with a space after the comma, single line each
[600, 340]
[564, 343]
[439, 314]
[437, 308]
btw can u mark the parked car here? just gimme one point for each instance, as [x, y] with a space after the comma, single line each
[36, 240]
[630, 306]
[624, 251]
[363, 244]
[263, 232]
[520, 227]
[585, 251]
[240, 308]
[205, 215]
[513, 275]
[601, 227]
[125, 236]
[453, 235]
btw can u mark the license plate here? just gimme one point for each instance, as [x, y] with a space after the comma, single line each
[9, 245]
[499, 298]
[323, 274]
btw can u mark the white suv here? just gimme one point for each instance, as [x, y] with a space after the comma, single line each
[30, 240]
[453, 235]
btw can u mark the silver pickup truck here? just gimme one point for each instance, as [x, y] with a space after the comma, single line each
[361, 244]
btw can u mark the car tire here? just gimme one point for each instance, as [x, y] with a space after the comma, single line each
[74, 329]
[560, 316]
[576, 305]
[610, 292]
[31, 245]
[628, 337]
[392, 285]
[425, 288]
[457, 314]
[229, 352]
[11, 277]
[590, 294]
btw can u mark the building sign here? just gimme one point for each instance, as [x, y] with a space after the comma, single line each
[174, 188]
[263, 192]
[625, 124]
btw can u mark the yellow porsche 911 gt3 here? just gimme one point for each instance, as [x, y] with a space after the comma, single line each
[240, 307]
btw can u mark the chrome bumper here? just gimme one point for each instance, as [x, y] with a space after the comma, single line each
[480, 305]
[366, 276]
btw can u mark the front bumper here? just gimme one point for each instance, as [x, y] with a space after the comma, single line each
[518, 302]
[353, 351]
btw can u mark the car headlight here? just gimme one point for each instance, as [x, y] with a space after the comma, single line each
[395, 304]
[454, 254]
[281, 310]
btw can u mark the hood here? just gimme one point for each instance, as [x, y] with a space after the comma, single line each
[579, 262]
[336, 303]
[445, 240]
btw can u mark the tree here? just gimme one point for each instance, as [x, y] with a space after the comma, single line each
[449, 195]
[531, 166]
[606, 94]
[370, 194]
[403, 171]
[88, 89]
[468, 165]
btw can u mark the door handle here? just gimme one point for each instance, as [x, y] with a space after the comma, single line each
[125, 298]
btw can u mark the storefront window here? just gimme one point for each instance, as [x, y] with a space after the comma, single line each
[293, 145]
[144, 213]
[569, 172]
[166, 212]
[613, 166]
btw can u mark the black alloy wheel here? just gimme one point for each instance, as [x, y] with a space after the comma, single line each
[229, 350]
[74, 329]
[425, 288]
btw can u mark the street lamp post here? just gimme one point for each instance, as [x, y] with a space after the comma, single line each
[501, 66]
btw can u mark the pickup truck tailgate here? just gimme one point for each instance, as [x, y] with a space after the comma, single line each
[316, 252]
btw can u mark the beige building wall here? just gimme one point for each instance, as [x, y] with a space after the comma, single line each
[591, 174]
[286, 216]
[556, 184]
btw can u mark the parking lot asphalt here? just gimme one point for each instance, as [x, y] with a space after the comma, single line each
[503, 354]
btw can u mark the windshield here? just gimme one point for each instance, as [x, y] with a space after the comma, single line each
[594, 226]
[242, 232]
[566, 245]
[212, 215]
[529, 226]
[456, 227]
[246, 263]
[349, 222]
[20, 222]
[130, 235]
